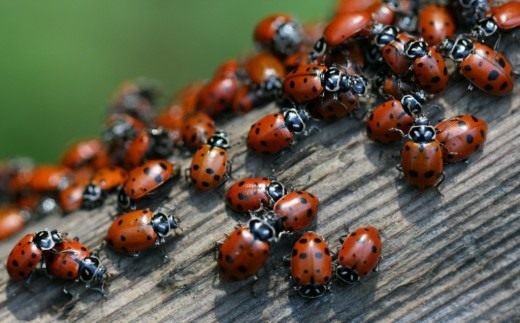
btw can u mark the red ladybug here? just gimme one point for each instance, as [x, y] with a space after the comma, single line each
[421, 156]
[275, 132]
[391, 86]
[148, 144]
[187, 97]
[104, 180]
[429, 68]
[172, 119]
[71, 198]
[485, 68]
[311, 265]
[28, 253]
[249, 194]
[359, 254]
[296, 210]
[119, 128]
[281, 34]
[49, 178]
[333, 106]
[503, 17]
[217, 95]
[228, 69]
[346, 26]
[247, 98]
[266, 72]
[461, 136]
[197, 130]
[12, 220]
[436, 23]
[145, 182]
[393, 52]
[87, 152]
[245, 250]
[139, 230]
[135, 98]
[210, 164]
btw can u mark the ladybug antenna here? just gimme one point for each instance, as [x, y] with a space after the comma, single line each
[219, 139]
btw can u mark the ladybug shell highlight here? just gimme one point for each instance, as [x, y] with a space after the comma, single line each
[64, 264]
[507, 15]
[248, 194]
[488, 70]
[269, 135]
[24, 258]
[209, 166]
[359, 254]
[461, 136]
[197, 130]
[311, 265]
[436, 23]
[304, 83]
[386, 116]
[132, 232]
[12, 220]
[431, 72]
[146, 178]
[422, 163]
[345, 26]
[241, 255]
[297, 210]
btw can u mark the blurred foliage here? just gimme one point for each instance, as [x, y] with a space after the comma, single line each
[60, 60]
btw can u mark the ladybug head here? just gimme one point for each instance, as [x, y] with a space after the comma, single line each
[384, 34]
[293, 120]
[412, 105]
[46, 240]
[162, 144]
[484, 28]
[92, 271]
[319, 49]
[347, 275]
[415, 49]
[287, 38]
[93, 196]
[459, 49]
[261, 229]
[275, 190]
[272, 87]
[357, 84]
[123, 201]
[163, 221]
[331, 79]
[422, 131]
[312, 291]
[219, 139]
[119, 130]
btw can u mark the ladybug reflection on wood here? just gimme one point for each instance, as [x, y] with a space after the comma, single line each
[252, 193]
[137, 231]
[359, 254]
[210, 164]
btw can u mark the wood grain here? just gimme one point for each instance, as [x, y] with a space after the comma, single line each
[453, 256]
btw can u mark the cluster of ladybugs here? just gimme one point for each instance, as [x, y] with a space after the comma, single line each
[315, 71]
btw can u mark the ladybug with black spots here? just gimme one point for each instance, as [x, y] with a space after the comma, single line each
[311, 265]
[501, 18]
[280, 33]
[104, 181]
[71, 198]
[210, 165]
[485, 68]
[245, 250]
[359, 254]
[392, 44]
[265, 72]
[140, 230]
[217, 95]
[86, 152]
[429, 67]
[461, 136]
[296, 210]
[198, 127]
[253, 193]
[421, 156]
[148, 181]
[29, 252]
[148, 144]
[49, 178]
[436, 23]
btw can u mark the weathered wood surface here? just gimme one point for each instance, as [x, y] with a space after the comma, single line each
[454, 256]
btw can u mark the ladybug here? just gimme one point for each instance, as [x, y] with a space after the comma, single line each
[281, 34]
[12, 220]
[210, 164]
[172, 119]
[28, 253]
[104, 180]
[48, 178]
[228, 69]
[186, 98]
[392, 114]
[119, 128]
[276, 131]
[252, 193]
[148, 143]
[245, 250]
[428, 66]
[390, 86]
[311, 81]
[421, 156]
[217, 95]
[197, 130]
[135, 98]
[146, 181]
[71, 198]
[311, 265]
[471, 11]
[392, 44]
[333, 106]
[359, 254]
[139, 230]
[20, 172]
[503, 17]
[296, 210]
[436, 23]
[87, 152]
[247, 98]
[266, 72]
[343, 27]
[461, 136]
[485, 68]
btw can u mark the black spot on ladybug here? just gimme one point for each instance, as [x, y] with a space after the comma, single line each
[314, 89]
[480, 63]
[294, 252]
[257, 130]
[429, 174]
[435, 79]
[309, 213]
[69, 273]
[406, 147]
[119, 222]
[229, 259]
[303, 200]
[241, 183]
[303, 241]
[501, 62]
[263, 143]
[23, 252]
[123, 238]
[374, 249]
[216, 178]
[163, 166]
[413, 173]
[317, 240]
[292, 84]
[503, 85]
[420, 65]
[209, 171]
[303, 255]
[488, 87]
[205, 184]
[469, 139]
[242, 269]
[83, 249]
[64, 262]
[493, 75]
[147, 170]
[15, 263]
[148, 237]
[241, 196]
[33, 255]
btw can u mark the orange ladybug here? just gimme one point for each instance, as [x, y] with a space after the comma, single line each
[296, 210]
[311, 265]
[86, 152]
[281, 34]
[210, 164]
[49, 178]
[104, 181]
[503, 17]
[461, 136]
[359, 254]
[148, 144]
[12, 220]
[71, 198]
[436, 23]
[265, 72]
[197, 130]
[429, 68]
[217, 95]
[250, 194]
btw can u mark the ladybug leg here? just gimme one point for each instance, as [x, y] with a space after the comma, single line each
[497, 42]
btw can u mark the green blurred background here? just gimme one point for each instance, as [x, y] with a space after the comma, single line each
[60, 60]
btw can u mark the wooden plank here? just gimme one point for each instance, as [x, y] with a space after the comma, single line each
[454, 256]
